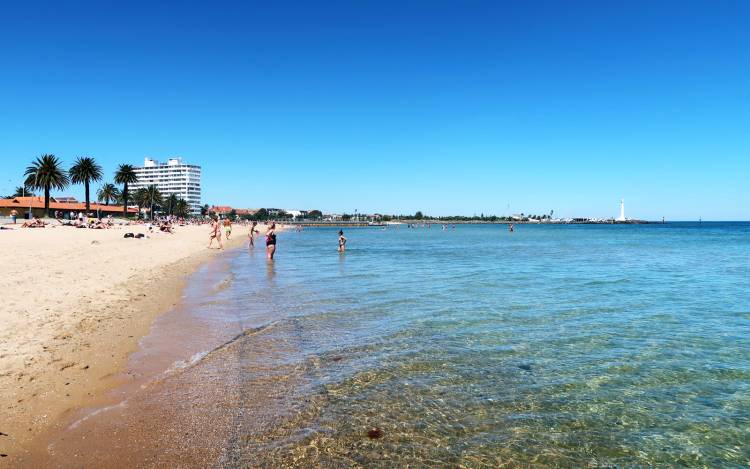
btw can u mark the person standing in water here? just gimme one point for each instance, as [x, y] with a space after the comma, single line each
[511, 228]
[342, 241]
[251, 235]
[271, 241]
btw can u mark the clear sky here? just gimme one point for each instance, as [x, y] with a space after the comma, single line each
[456, 107]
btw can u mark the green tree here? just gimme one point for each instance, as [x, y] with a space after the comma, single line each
[182, 209]
[153, 198]
[418, 215]
[84, 171]
[108, 192]
[46, 173]
[125, 175]
[140, 198]
[261, 215]
[22, 191]
[204, 210]
[315, 214]
[171, 204]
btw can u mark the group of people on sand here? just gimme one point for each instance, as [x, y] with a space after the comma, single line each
[82, 220]
[163, 226]
[89, 222]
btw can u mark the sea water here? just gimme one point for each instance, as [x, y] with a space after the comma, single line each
[555, 345]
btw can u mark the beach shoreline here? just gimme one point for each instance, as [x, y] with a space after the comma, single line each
[75, 310]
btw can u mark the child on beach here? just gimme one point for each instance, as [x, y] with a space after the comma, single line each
[251, 235]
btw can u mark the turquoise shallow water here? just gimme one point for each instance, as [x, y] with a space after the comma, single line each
[600, 346]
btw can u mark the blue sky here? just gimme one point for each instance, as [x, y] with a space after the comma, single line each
[455, 107]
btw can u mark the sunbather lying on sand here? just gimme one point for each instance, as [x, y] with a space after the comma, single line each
[100, 225]
[34, 223]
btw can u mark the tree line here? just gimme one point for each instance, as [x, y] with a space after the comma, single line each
[482, 217]
[46, 173]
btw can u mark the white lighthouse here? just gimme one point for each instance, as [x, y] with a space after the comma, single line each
[622, 211]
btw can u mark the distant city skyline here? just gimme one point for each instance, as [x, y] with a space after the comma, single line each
[449, 108]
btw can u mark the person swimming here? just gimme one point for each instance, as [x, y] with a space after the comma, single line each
[271, 241]
[342, 241]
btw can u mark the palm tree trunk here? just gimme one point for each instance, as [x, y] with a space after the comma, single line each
[88, 205]
[125, 201]
[46, 200]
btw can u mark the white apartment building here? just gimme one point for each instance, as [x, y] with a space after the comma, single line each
[172, 177]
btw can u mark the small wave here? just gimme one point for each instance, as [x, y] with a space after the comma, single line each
[607, 282]
[223, 284]
[182, 364]
[96, 412]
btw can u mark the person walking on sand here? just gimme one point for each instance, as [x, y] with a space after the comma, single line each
[215, 233]
[13, 216]
[252, 233]
[271, 241]
[227, 227]
[342, 241]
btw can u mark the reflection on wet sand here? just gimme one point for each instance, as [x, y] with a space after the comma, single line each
[205, 415]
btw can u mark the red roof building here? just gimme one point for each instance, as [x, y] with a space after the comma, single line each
[21, 206]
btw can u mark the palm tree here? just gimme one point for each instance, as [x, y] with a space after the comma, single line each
[140, 198]
[125, 175]
[46, 173]
[108, 192]
[22, 191]
[204, 210]
[182, 208]
[84, 171]
[153, 197]
[171, 203]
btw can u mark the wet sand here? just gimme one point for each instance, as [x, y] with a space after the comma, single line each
[77, 306]
[203, 415]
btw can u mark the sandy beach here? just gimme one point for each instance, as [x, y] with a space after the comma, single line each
[75, 304]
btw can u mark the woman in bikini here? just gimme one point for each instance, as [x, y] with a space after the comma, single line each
[215, 233]
[271, 241]
[342, 241]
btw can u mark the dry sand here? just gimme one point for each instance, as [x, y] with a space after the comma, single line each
[75, 303]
